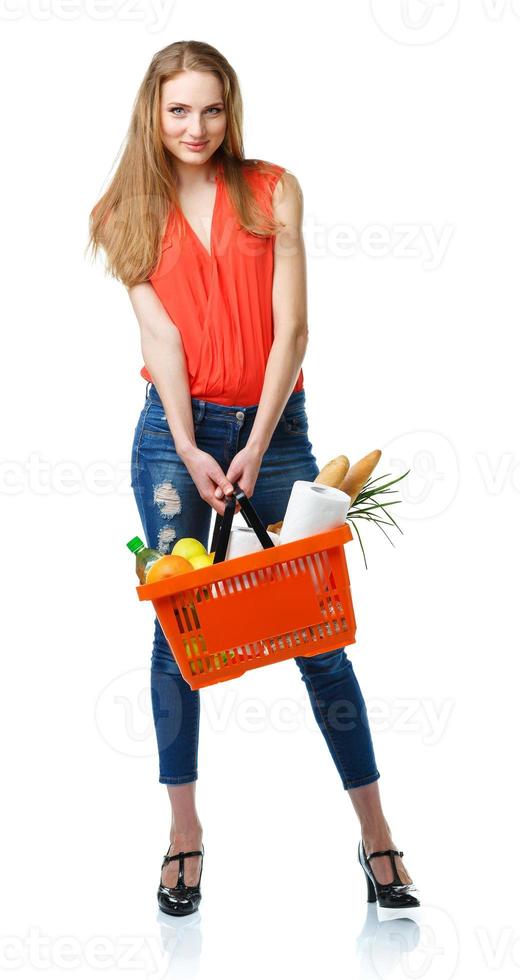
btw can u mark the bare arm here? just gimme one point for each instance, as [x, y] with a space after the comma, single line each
[289, 312]
[164, 356]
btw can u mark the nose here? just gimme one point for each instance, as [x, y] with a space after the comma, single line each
[196, 131]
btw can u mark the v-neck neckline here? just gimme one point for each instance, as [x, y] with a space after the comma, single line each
[209, 255]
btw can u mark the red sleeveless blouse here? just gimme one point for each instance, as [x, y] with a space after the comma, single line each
[222, 302]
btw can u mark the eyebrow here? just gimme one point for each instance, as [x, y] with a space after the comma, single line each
[184, 106]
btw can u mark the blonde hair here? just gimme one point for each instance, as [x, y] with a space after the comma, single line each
[129, 220]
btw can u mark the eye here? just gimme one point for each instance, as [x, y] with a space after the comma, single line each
[179, 108]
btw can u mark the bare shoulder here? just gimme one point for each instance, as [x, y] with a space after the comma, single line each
[288, 199]
[287, 186]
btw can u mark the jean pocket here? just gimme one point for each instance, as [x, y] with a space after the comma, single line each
[296, 422]
[155, 422]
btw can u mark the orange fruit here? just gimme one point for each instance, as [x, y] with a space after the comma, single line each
[167, 566]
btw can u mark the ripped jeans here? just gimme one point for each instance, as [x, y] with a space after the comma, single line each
[171, 507]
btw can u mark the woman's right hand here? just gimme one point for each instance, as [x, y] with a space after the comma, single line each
[207, 475]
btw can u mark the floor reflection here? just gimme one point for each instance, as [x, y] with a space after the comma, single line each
[180, 939]
[381, 945]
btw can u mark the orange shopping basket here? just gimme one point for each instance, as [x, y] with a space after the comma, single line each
[289, 600]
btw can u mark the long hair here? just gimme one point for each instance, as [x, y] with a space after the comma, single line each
[130, 218]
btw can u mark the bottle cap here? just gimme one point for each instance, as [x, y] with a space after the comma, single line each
[135, 544]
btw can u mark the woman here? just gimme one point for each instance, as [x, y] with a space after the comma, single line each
[210, 248]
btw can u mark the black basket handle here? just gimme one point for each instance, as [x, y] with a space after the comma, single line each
[222, 529]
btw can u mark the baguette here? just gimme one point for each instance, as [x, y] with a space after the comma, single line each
[333, 474]
[359, 473]
[275, 527]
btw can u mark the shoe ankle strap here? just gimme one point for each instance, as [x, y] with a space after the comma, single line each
[182, 854]
[389, 851]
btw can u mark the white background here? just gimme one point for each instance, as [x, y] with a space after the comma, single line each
[401, 123]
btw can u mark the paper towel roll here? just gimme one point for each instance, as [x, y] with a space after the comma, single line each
[243, 541]
[312, 508]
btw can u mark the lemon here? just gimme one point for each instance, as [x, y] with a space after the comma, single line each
[188, 548]
[200, 561]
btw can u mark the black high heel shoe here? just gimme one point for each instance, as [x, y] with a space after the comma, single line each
[394, 899]
[182, 899]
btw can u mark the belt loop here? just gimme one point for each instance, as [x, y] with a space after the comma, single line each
[200, 409]
[148, 383]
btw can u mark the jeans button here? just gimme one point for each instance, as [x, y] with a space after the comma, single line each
[240, 415]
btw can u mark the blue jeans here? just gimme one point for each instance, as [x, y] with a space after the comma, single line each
[171, 507]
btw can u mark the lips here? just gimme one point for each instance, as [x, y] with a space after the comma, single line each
[197, 145]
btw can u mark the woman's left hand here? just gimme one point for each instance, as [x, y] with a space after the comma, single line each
[244, 470]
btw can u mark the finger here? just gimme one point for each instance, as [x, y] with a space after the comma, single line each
[227, 483]
[219, 507]
[224, 487]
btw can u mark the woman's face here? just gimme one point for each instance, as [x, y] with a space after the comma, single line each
[192, 111]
